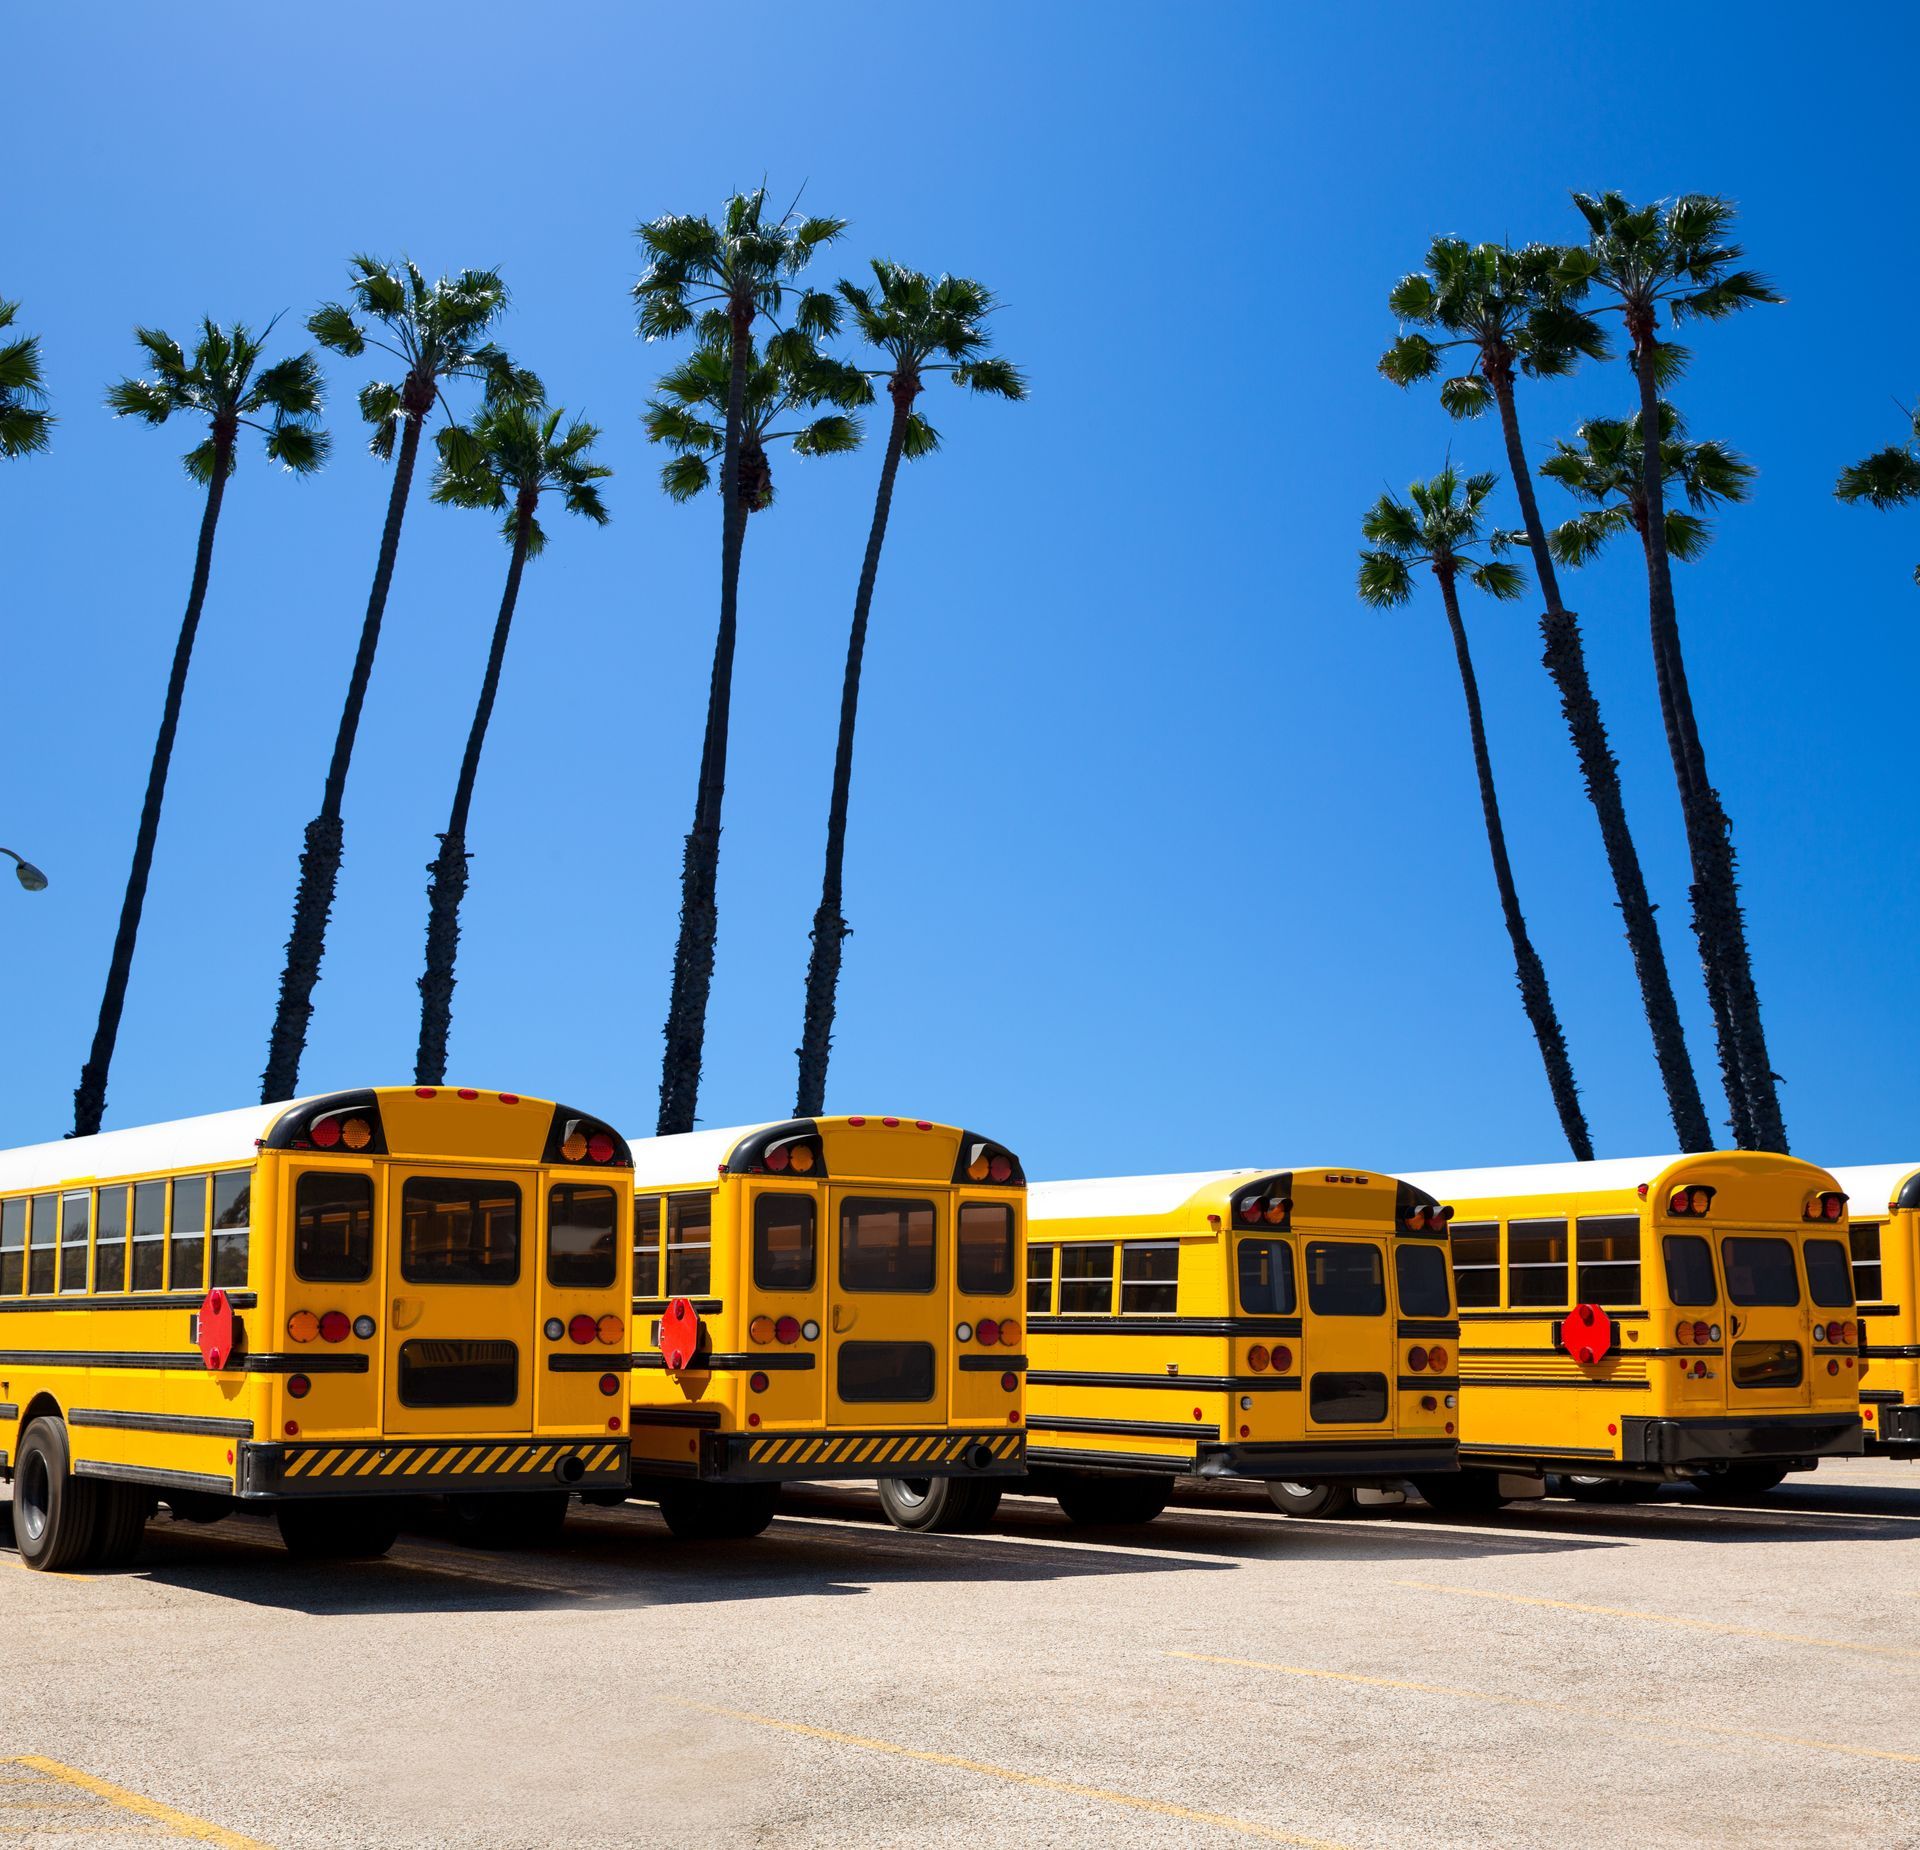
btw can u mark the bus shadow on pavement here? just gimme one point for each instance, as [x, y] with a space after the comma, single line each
[1783, 1516]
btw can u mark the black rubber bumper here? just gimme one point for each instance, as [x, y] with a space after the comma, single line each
[775, 1458]
[1899, 1430]
[1345, 1461]
[433, 1467]
[1718, 1441]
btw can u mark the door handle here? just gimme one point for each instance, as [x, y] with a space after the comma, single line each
[843, 1318]
[406, 1312]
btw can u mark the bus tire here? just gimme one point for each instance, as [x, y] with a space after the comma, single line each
[354, 1529]
[1292, 1499]
[1607, 1489]
[718, 1512]
[198, 1505]
[121, 1524]
[55, 1514]
[1736, 1483]
[1467, 1492]
[509, 1518]
[1114, 1500]
[939, 1505]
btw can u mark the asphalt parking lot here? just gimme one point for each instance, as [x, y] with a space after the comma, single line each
[1667, 1673]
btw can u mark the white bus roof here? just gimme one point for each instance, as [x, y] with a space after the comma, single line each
[689, 1156]
[1105, 1197]
[1871, 1187]
[1611, 1172]
[142, 1149]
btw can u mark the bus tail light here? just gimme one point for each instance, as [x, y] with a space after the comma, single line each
[1713, 1332]
[609, 1384]
[335, 1327]
[302, 1327]
[760, 1330]
[610, 1329]
[1703, 1333]
[1847, 1333]
[299, 1386]
[1428, 1404]
[1416, 1359]
[1009, 1333]
[1683, 1333]
[1009, 1381]
[787, 1330]
[987, 1331]
[1826, 1206]
[1833, 1367]
[582, 1329]
[1416, 1221]
[1282, 1358]
[364, 1326]
[1258, 1359]
[1693, 1199]
[1437, 1360]
[758, 1382]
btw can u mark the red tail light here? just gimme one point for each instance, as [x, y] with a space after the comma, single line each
[758, 1382]
[609, 1384]
[1416, 1359]
[299, 1386]
[778, 1159]
[583, 1329]
[1258, 1359]
[335, 1326]
[787, 1330]
[326, 1133]
[1282, 1358]
[1833, 1367]
[999, 1168]
[1702, 1334]
[1437, 1360]
[1009, 1382]
[987, 1331]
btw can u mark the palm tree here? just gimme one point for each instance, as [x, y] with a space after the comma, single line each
[511, 455]
[1436, 527]
[1509, 309]
[721, 280]
[220, 384]
[1887, 478]
[26, 424]
[437, 332]
[1679, 255]
[923, 326]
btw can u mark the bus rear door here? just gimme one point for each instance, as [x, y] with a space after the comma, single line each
[1769, 1361]
[887, 1305]
[1348, 1347]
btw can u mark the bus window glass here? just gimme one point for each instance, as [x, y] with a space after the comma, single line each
[689, 1246]
[1476, 1264]
[583, 1221]
[1086, 1280]
[43, 1237]
[1345, 1278]
[1607, 1250]
[1766, 1364]
[1266, 1278]
[13, 1246]
[232, 1196]
[886, 1245]
[885, 1371]
[74, 1216]
[985, 1248]
[1864, 1239]
[1420, 1272]
[1345, 1399]
[1537, 1262]
[1759, 1271]
[646, 1246]
[1829, 1279]
[444, 1372]
[149, 1236]
[1689, 1269]
[187, 1246]
[333, 1228]
[1040, 1280]
[462, 1230]
[1149, 1275]
[109, 1241]
[783, 1242]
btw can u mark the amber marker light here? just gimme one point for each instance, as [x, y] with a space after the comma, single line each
[303, 1327]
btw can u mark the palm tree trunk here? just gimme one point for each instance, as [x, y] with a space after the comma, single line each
[448, 885]
[90, 1095]
[830, 928]
[686, 1027]
[320, 857]
[1717, 920]
[1535, 997]
[1566, 662]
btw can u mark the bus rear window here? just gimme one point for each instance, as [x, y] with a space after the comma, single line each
[333, 1228]
[1829, 1277]
[886, 1371]
[1266, 1278]
[783, 1242]
[1420, 1272]
[1689, 1269]
[1346, 1279]
[1762, 1364]
[1345, 1399]
[459, 1231]
[1759, 1271]
[439, 1372]
[886, 1245]
[985, 1243]
[582, 1223]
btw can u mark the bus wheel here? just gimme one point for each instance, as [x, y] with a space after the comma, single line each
[939, 1505]
[1608, 1489]
[1310, 1499]
[718, 1512]
[1114, 1499]
[1733, 1483]
[509, 1518]
[198, 1505]
[124, 1509]
[1462, 1493]
[55, 1514]
[352, 1530]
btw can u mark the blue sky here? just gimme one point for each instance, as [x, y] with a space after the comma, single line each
[1165, 852]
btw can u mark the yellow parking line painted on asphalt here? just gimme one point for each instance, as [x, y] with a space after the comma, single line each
[1165, 1808]
[1613, 1718]
[1665, 1618]
[25, 1569]
[181, 1823]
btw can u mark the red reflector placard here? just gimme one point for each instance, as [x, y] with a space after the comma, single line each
[1586, 1334]
[215, 1329]
[679, 1334]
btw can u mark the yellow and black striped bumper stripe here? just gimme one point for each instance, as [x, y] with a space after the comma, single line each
[462, 1459]
[878, 1449]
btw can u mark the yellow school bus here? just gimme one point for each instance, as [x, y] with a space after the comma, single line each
[1294, 1326]
[1884, 1238]
[827, 1298]
[318, 1307]
[1634, 1322]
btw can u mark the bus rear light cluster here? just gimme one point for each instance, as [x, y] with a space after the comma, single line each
[1830, 1205]
[333, 1326]
[351, 1133]
[990, 1169]
[1434, 1359]
[1691, 1200]
[1696, 1334]
[791, 1159]
[1834, 1333]
[577, 1146]
[992, 1331]
[1421, 1217]
[583, 1329]
[787, 1330]
[1265, 1210]
[1260, 1358]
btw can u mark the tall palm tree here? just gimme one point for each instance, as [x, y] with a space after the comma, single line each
[923, 326]
[26, 424]
[1437, 526]
[1887, 478]
[720, 280]
[219, 383]
[437, 332]
[1511, 313]
[511, 455]
[1678, 254]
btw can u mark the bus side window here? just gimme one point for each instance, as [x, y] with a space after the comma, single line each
[1476, 1264]
[1864, 1237]
[1086, 1280]
[1607, 1248]
[110, 1241]
[232, 1194]
[149, 1236]
[1266, 1278]
[1039, 1279]
[1689, 1269]
[646, 1246]
[43, 1235]
[1537, 1262]
[13, 1246]
[187, 1249]
[689, 1246]
[75, 1218]
[1149, 1275]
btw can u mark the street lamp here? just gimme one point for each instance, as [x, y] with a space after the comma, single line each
[26, 873]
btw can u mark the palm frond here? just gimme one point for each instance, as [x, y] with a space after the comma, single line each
[1887, 478]
[1384, 580]
[920, 438]
[1466, 397]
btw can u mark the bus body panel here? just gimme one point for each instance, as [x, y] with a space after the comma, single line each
[1884, 1230]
